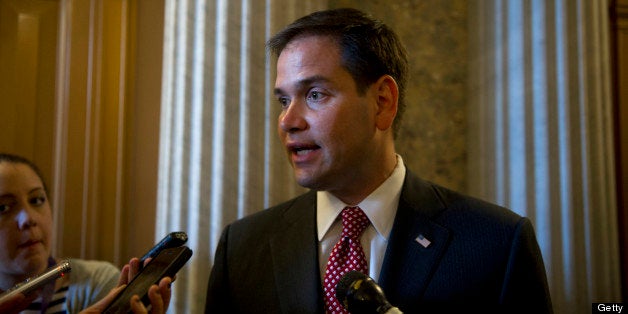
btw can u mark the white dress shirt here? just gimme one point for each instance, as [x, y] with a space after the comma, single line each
[380, 207]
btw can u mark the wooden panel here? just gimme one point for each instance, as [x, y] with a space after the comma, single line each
[143, 119]
[91, 120]
[108, 118]
[28, 32]
[69, 102]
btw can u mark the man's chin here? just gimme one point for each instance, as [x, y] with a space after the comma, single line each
[309, 182]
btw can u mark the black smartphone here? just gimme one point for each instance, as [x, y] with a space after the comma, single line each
[166, 264]
[173, 239]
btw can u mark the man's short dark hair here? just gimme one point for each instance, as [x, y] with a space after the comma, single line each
[369, 48]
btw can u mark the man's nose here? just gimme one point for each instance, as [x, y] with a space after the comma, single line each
[293, 117]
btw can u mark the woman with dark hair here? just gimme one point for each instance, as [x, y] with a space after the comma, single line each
[25, 250]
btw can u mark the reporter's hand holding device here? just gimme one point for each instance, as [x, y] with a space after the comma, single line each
[147, 280]
[165, 265]
[150, 286]
[21, 295]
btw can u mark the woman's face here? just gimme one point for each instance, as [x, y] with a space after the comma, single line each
[25, 224]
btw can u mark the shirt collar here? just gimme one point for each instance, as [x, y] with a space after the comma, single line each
[380, 206]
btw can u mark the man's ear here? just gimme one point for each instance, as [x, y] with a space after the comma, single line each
[387, 93]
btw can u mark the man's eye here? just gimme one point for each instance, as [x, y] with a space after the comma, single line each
[317, 95]
[283, 101]
[314, 95]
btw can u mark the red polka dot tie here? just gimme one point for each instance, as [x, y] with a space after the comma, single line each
[346, 255]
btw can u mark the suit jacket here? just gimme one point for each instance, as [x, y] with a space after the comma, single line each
[481, 257]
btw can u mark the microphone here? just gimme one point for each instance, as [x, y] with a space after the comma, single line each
[359, 294]
[33, 283]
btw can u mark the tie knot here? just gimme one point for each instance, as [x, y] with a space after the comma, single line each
[354, 221]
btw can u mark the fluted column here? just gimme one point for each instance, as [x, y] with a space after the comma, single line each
[541, 139]
[220, 158]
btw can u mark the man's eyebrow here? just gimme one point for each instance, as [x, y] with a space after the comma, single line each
[304, 83]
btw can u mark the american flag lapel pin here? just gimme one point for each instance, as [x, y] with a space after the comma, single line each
[423, 241]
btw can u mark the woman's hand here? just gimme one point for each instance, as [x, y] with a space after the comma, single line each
[159, 296]
[130, 270]
[17, 302]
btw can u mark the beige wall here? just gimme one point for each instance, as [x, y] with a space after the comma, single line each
[433, 137]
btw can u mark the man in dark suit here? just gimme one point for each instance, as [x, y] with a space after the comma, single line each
[340, 82]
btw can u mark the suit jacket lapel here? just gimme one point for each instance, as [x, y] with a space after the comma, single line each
[295, 258]
[409, 263]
